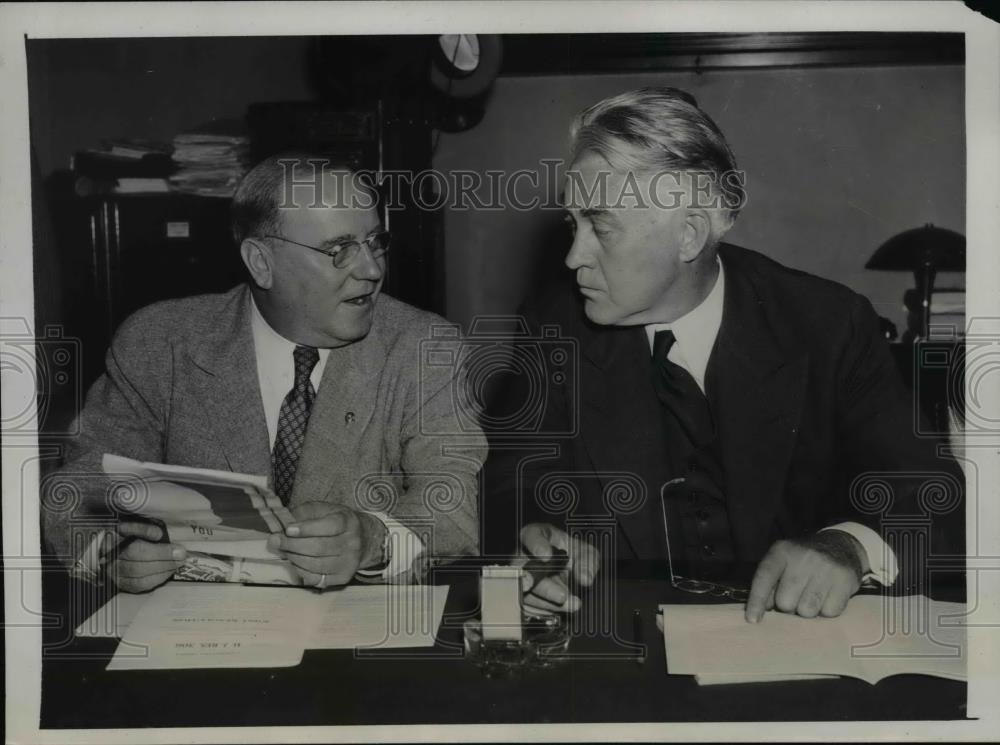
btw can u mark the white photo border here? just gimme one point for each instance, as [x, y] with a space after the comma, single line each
[19, 22]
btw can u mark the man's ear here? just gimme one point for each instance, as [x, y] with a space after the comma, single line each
[259, 262]
[697, 232]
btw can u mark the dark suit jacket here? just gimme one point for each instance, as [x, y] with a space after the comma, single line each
[181, 387]
[814, 423]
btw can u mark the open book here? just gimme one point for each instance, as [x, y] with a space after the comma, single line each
[223, 519]
[874, 638]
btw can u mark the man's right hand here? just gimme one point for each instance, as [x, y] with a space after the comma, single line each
[143, 564]
[551, 593]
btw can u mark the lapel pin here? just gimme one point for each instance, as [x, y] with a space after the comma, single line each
[349, 417]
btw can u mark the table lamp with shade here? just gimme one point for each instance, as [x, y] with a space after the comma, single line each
[924, 251]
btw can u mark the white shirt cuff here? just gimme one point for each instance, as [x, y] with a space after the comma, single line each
[404, 547]
[881, 559]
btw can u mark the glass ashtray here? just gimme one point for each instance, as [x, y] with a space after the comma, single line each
[544, 641]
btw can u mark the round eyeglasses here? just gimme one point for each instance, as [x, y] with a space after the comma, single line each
[344, 252]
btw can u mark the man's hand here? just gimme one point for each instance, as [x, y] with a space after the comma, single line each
[551, 593]
[817, 575]
[143, 564]
[332, 540]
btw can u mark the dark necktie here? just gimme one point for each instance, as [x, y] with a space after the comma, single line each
[292, 421]
[679, 392]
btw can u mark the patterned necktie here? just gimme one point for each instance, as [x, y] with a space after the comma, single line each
[292, 421]
[679, 392]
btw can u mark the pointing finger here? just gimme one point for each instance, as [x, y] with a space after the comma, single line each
[765, 579]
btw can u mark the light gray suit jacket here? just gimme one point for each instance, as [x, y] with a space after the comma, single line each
[391, 429]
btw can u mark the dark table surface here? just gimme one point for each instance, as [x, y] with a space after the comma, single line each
[601, 682]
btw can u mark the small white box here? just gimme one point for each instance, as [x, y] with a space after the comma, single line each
[500, 593]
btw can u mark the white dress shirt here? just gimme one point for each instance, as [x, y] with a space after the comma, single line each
[276, 375]
[695, 333]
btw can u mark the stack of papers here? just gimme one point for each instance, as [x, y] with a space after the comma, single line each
[874, 638]
[137, 148]
[211, 162]
[136, 185]
[183, 625]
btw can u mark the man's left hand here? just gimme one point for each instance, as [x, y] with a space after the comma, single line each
[810, 577]
[331, 540]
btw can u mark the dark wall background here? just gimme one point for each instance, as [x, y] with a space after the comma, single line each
[837, 160]
[83, 91]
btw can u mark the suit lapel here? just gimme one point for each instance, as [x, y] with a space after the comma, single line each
[228, 388]
[622, 427]
[758, 392]
[344, 406]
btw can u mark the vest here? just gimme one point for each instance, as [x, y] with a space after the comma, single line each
[700, 540]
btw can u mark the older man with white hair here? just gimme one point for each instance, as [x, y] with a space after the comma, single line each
[738, 401]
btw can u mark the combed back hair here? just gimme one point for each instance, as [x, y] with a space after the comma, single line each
[255, 206]
[658, 129]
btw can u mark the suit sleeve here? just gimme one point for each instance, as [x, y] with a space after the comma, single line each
[442, 452]
[124, 414]
[899, 485]
[526, 414]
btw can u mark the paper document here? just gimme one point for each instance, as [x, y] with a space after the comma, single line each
[735, 678]
[214, 625]
[379, 616]
[113, 618]
[193, 625]
[874, 638]
[223, 519]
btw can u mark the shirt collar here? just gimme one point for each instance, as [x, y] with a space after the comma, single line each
[269, 344]
[696, 331]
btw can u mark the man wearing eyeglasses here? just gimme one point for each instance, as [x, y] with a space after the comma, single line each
[308, 375]
[738, 401]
